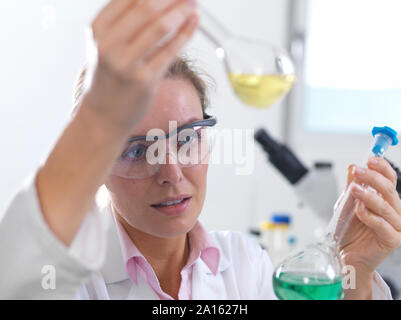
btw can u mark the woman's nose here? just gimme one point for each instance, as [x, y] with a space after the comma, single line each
[169, 172]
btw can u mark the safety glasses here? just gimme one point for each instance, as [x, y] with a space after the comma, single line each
[187, 146]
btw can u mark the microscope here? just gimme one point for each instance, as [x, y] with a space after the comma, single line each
[315, 187]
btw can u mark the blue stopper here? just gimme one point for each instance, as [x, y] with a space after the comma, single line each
[378, 150]
[391, 133]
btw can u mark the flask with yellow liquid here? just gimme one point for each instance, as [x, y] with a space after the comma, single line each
[260, 74]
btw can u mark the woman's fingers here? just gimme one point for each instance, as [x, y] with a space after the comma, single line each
[382, 166]
[378, 164]
[160, 60]
[388, 236]
[140, 32]
[380, 182]
[376, 204]
[111, 13]
[139, 18]
[131, 55]
[171, 21]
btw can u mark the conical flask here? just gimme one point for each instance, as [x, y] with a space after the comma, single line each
[316, 273]
[260, 73]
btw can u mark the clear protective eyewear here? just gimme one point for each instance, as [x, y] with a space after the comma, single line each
[188, 146]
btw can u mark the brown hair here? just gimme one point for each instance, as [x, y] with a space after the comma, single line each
[182, 67]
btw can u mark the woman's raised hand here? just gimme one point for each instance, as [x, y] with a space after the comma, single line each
[132, 44]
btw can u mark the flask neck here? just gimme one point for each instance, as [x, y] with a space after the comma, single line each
[333, 237]
[212, 29]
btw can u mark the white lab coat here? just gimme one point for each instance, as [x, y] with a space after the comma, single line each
[93, 266]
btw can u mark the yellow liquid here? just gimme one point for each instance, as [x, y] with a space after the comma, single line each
[261, 91]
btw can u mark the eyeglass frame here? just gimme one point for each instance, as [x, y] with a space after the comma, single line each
[208, 121]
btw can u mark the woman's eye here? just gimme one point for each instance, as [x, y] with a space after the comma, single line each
[134, 153]
[188, 138]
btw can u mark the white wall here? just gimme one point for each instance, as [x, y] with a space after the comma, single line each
[43, 48]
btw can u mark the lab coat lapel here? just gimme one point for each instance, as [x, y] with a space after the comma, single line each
[142, 291]
[114, 267]
[206, 285]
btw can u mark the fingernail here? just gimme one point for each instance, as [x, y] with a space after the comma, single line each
[373, 161]
[360, 171]
[357, 189]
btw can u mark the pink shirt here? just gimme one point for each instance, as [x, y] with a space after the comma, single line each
[201, 246]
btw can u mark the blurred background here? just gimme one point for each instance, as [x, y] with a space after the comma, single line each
[348, 69]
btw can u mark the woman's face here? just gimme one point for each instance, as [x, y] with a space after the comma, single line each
[134, 200]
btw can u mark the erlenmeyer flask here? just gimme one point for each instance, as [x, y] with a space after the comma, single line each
[259, 73]
[316, 273]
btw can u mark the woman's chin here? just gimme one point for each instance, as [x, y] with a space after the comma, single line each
[171, 229]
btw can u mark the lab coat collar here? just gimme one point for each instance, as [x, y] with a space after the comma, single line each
[114, 269]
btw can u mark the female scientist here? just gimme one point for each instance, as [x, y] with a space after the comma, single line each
[147, 243]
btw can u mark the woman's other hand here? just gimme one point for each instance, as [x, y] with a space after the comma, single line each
[375, 231]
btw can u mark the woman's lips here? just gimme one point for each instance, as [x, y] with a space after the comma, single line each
[173, 210]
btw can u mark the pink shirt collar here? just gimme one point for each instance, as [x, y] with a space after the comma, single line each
[201, 246]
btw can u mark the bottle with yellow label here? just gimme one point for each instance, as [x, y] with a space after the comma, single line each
[275, 236]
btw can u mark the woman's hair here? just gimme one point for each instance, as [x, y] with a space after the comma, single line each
[182, 68]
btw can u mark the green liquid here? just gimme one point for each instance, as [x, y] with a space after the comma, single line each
[292, 286]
